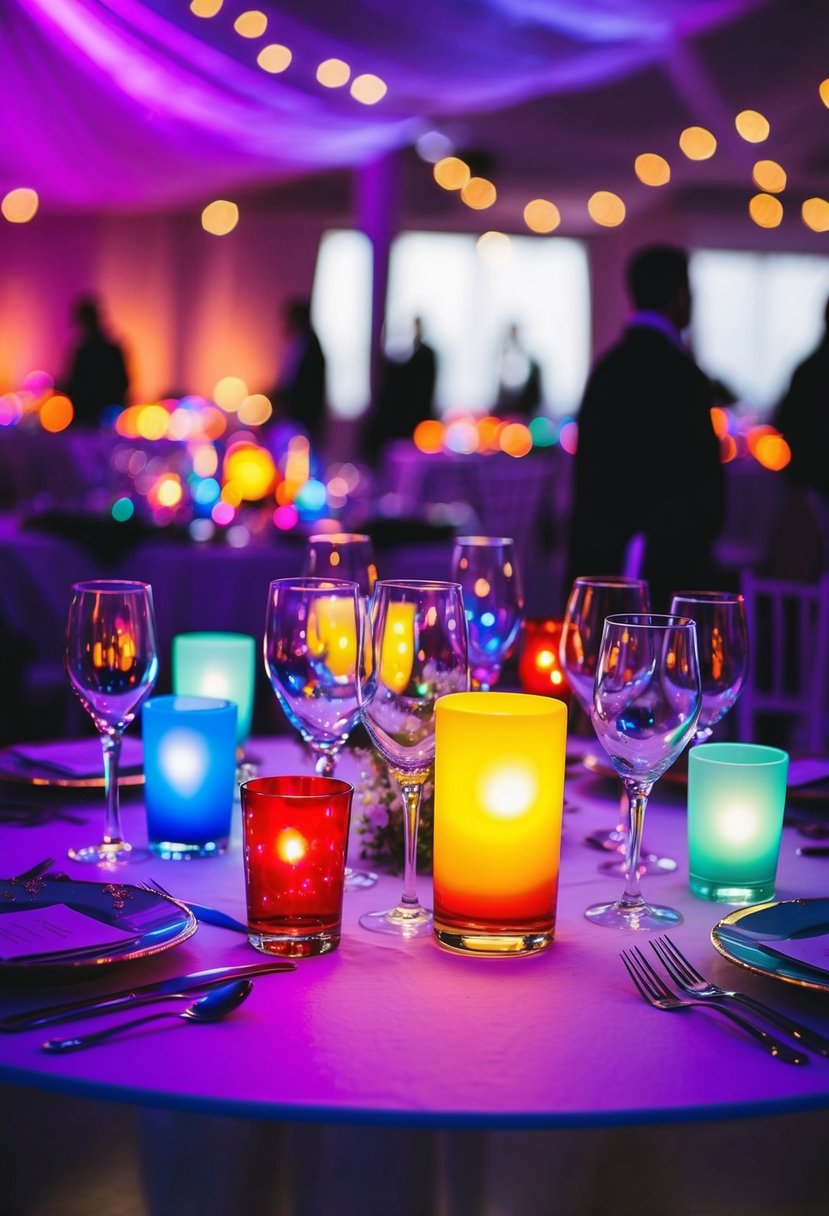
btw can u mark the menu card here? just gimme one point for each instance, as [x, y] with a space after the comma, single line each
[54, 930]
[813, 951]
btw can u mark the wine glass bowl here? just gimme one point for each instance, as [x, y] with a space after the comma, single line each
[646, 702]
[487, 570]
[419, 654]
[341, 555]
[111, 659]
[722, 640]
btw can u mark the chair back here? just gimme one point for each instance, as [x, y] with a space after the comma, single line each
[788, 636]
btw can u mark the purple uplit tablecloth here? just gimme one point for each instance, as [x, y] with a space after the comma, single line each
[399, 1032]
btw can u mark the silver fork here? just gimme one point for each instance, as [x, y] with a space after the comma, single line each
[656, 992]
[686, 977]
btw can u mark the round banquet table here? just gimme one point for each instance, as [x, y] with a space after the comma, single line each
[385, 1037]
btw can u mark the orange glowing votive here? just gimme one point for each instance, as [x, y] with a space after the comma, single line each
[499, 789]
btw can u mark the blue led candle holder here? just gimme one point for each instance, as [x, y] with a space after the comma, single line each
[218, 665]
[736, 800]
[190, 774]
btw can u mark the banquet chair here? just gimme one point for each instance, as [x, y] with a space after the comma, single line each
[788, 634]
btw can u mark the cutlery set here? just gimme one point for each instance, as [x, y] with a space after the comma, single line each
[698, 992]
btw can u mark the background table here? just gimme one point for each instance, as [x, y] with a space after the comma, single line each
[403, 1035]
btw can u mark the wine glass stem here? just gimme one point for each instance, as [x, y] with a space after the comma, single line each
[325, 763]
[111, 745]
[638, 801]
[411, 790]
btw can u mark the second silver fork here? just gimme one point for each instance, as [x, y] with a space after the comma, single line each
[686, 977]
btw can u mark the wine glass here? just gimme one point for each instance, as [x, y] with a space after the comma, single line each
[341, 555]
[722, 640]
[111, 659]
[591, 599]
[647, 698]
[419, 654]
[487, 570]
[313, 635]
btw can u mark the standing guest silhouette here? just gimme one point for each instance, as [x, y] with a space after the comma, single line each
[648, 459]
[405, 396]
[519, 378]
[98, 373]
[802, 417]
[300, 393]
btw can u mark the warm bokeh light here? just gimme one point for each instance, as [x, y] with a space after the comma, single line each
[56, 413]
[752, 126]
[428, 435]
[250, 470]
[606, 208]
[769, 176]
[772, 452]
[229, 393]
[697, 143]
[333, 73]
[651, 169]
[255, 410]
[205, 460]
[494, 246]
[368, 89]
[452, 173]
[765, 210]
[815, 214]
[479, 193]
[728, 449]
[515, 439]
[823, 89]
[719, 421]
[167, 492]
[220, 217]
[152, 421]
[20, 205]
[540, 215]
[274, 58]
[205, 8]
[251, 24]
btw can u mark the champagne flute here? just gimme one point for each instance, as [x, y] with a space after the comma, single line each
[647, 698]
[591, 599]
[419, 654]
[487, 570]
[111, 659]
[313, 635]
[722, 640]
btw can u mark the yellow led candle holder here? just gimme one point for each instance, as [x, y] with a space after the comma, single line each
[499, 790]
[397, 653]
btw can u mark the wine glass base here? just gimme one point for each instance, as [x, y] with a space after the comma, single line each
[624, 915]
[109, 854]
[649, 863]
[400, 921]
[612, 839]
[358, 880]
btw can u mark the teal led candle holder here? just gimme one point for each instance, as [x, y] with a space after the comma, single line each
[218, 665]
[736, 799]
[189, 774]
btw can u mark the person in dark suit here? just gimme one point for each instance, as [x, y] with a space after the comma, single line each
[98, 373]
[648, 461]
[405, 397]
[300, 392]
[802, 417]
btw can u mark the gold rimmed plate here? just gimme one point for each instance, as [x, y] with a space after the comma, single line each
[757, 938]
[59, 766]
[154, 923]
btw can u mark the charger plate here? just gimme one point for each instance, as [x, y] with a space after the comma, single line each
[21, 771]
[157, 923]
[737, 937]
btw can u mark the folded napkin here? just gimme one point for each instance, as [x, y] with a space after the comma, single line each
[78, 757]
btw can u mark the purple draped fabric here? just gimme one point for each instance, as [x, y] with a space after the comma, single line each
[130, 104]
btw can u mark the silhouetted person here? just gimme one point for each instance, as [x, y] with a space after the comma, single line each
[648, 459]
[519, 378]
[300, 393]
[405, 396]
[803, 418]
[98, 373]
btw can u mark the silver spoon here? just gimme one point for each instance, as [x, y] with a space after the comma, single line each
[215, 1004]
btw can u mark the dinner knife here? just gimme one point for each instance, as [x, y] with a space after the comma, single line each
[142, 995]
